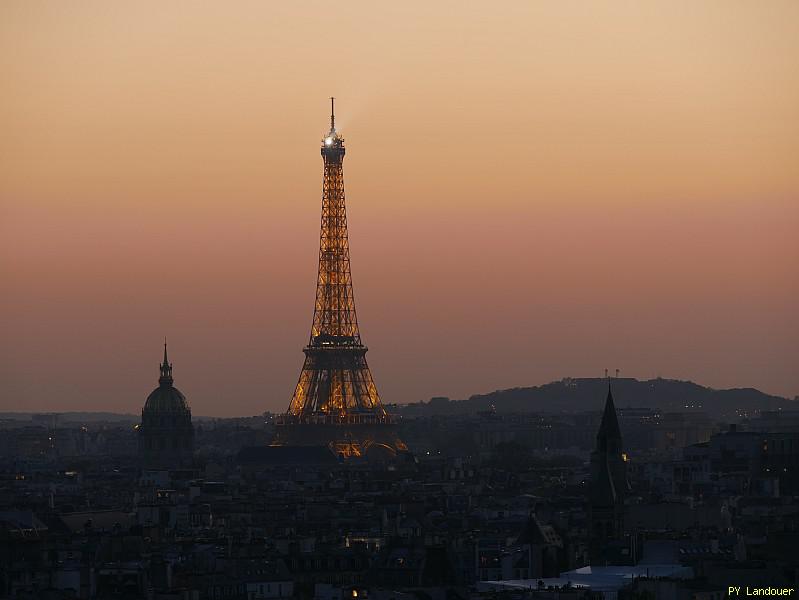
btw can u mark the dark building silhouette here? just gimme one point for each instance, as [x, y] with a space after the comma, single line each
[166, 435]
[544, 549]
[609, 484]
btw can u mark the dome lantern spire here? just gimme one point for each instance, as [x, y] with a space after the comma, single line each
[166, 369]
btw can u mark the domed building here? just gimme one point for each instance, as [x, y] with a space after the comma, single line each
[166, 435]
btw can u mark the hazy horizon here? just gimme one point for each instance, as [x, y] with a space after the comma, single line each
[532, 192]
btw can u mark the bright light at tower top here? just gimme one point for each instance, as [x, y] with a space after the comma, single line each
[332, 138]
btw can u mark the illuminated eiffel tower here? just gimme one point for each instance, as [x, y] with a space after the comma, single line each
[336, 401]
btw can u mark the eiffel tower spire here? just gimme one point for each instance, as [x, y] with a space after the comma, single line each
[335, 385]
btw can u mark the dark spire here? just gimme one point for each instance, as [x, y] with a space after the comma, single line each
[166, 369]
[609, 428]
[332, 114]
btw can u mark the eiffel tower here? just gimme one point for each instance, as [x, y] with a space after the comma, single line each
[335, 401]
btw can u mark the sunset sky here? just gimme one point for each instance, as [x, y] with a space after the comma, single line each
[535, 190]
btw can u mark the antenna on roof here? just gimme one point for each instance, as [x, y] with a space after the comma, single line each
[332, 114]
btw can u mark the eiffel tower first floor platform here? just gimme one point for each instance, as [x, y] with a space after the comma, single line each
[347, 436]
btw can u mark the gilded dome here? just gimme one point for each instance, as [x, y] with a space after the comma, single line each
[166, 435]
[166, 399]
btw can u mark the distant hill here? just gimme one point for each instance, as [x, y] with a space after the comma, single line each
[588, 394]
[564, 396]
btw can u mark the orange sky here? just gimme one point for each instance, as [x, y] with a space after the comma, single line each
[535, 190]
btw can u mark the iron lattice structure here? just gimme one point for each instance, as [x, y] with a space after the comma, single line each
[335, 399]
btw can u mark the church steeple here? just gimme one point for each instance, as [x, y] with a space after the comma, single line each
[608, 437]
[609, 484]
[166, 369]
